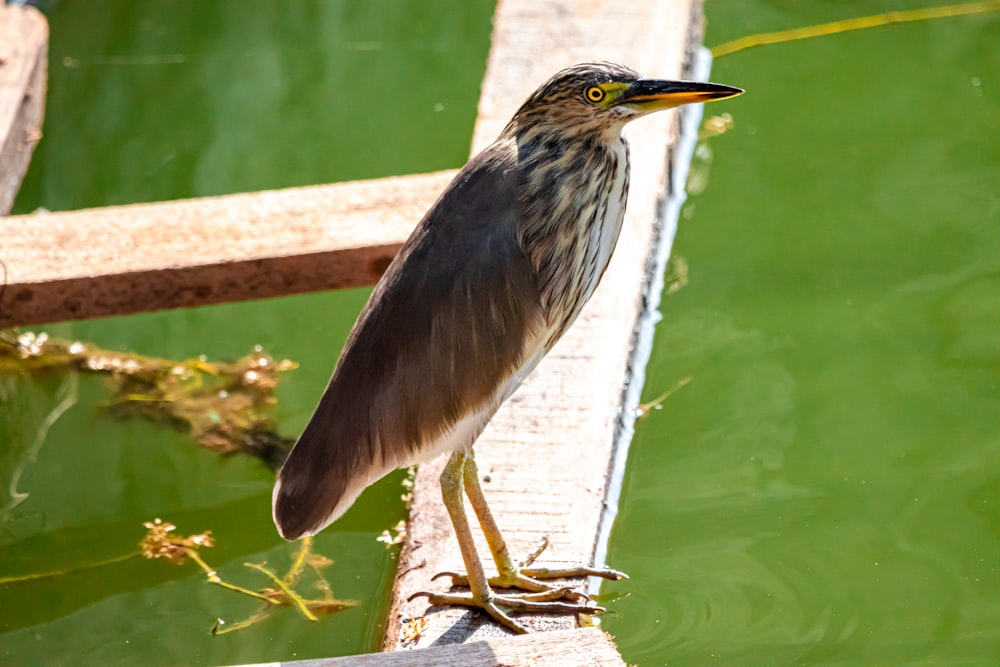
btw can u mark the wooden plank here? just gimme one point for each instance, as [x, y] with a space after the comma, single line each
[545, 456]
[24, 40]
[585, 647]
[125, 259]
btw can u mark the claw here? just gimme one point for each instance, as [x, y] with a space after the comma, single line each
[573, 572]
[489, 606]
[418, 594]
[532, 579]
[536, 553]
[544, 602]
[519, 604]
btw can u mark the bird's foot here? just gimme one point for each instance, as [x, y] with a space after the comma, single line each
[539, 594]
[526, 578]
[532, 580]
[499, 605]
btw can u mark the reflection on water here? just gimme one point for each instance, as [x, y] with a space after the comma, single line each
[32, 413]
[826, 488]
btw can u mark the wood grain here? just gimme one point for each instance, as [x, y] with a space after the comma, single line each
[126, 259]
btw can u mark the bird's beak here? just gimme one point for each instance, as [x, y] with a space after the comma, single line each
[654, 94]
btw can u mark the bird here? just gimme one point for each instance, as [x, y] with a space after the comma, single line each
[492, 276]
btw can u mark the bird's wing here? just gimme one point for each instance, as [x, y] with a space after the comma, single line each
[444, 331]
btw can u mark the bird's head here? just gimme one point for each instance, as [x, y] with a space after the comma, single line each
[605, 96]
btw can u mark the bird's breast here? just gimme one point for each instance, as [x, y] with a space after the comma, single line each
[604, 234]
[571, 227]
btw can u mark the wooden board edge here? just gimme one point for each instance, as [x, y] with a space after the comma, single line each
[24, 39]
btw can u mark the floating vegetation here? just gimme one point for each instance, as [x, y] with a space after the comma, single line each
[222, 405]
[675, 275]
[407, 484]
[644, 409]
[412, 630]
[393, 536]
[162, 542]
[715, 126]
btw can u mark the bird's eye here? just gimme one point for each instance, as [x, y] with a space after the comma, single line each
[594, 94]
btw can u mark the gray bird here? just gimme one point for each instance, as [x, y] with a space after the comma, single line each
[494, 274]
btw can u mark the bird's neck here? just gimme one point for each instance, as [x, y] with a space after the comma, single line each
[572, 187]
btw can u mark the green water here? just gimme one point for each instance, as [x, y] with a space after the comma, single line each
[826, 490]
[158, 100]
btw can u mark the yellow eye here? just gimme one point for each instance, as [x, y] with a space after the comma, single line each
[595, 94]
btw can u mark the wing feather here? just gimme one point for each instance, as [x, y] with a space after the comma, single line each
[443, 331]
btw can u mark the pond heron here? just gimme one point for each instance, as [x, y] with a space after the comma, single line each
[490, 279]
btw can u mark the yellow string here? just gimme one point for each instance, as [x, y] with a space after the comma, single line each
[69, 570]
[848, 25]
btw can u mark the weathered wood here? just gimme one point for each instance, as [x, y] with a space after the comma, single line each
[125, 259]
[24, 39]
[584, 647]
[545, 456]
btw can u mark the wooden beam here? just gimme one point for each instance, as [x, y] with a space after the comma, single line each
[24, 41]
[585, 647]
[545, 455]
[126, 259]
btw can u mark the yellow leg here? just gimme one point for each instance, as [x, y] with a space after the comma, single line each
[511, 575]
[452, 483]
[461, 477]
[452, 487]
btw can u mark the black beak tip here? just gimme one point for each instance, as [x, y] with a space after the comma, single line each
[733, 90]
[720, 91]
[691, 90]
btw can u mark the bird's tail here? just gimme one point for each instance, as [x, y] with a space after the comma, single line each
[322, 477]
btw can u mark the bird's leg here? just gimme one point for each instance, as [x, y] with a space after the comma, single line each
[453, 483]
[511, 575]
[508, 575]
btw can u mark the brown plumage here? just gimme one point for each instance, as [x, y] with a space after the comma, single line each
[447, 325]
[494, 274]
